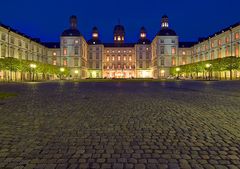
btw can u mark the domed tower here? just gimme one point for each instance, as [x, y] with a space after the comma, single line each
[165, 30]
[95, 36]
[119, 34]
[73, 30]
[143, 36]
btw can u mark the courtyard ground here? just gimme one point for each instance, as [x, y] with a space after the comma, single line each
[178, 124]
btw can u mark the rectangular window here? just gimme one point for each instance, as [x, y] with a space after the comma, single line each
[227, 39]
[76, 61]
[65, 51]
[54, 62]
[140, 65]
[97, 65]
[173, 62]
[227, 51]
[119, 58]
[236, 35]
[97, 55]
[130, 58]
[90, 55]
[162, 61]
[3, 37]
[65, 62]
[162, 49]
[219, 42]
[219, 53]
[237, 50]
[76, 49]
[173, 50]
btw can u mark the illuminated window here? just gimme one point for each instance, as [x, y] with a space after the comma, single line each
[227, 51]
[130, 51]
[130, 67]
[173, 50]
[107, 51]
[119, 58]
[219, 54]
[107, 67]
[212, 44]
[54, 53]
[119, 51]
[65, 62]
[65, 51]
[130, 58]
[76, 41]
[54, 62]
[236, 50]
[119, 66]
[113, 58]
[124, 58]
[173, 61]
[236, 35]
[184, 53]
[219, 42]
[124, 67]
[212, 55]
[119, 38]
[227, 39]
[107, 59]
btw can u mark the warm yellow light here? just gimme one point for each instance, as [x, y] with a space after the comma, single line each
[119, 38]
[143, 35]
[76, 71]
[208, 65]
[32, 65]
[62, 69]
[178, 69]
[162, 71]
[95, 35]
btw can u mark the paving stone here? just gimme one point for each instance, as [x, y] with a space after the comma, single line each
[127, 125]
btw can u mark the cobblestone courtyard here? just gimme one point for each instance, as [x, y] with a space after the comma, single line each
[121, 125]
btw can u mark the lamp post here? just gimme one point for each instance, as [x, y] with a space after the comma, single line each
[33, 67]
[76, 73]
[62, 69]
[208, 66]
[178, 70]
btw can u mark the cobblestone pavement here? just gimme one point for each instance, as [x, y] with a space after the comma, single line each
[121, 125]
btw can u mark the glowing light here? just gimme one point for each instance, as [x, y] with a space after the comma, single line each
[54, 53]
[33, 66]
[62, 69]
[208, 65]
[143, 35]
[178, 69]
[76, 71]
[162, 71]
[95, 35]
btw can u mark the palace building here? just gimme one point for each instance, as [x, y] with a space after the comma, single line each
[96, 59]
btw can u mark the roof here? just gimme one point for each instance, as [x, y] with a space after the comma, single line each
[186, 44]
[119, 44]
[219, 32]
[52, 44]
[166, 32]
[71, 32]
[37, 40]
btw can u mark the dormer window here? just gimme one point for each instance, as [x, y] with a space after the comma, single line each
[143, 35]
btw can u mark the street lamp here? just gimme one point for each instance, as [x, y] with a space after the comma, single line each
[62, 69]
[33, 67]
[208, 66]
[76, 73]
[178, 70]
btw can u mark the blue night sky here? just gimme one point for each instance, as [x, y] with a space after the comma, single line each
[46, 19]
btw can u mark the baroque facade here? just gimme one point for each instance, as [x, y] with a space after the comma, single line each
[143, 59]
